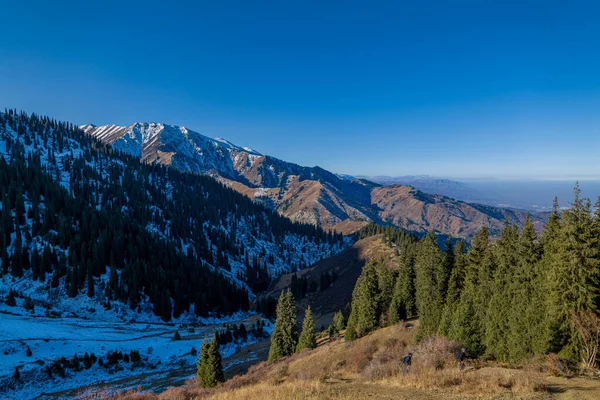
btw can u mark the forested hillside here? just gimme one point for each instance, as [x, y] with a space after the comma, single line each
[81, 218]
[508, 299]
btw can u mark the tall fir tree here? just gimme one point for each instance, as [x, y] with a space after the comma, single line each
[523, 320]
[214, 364]
[577, 270]
[308, 336]
[455, 287]
[496, 322]
[201, 376]
[429, 265]
[467, 320]
[365, 301]
[285, 334]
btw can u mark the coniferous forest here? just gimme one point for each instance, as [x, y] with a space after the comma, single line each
[82, 218]
[522, 294]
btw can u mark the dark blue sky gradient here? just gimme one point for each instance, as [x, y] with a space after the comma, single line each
[450, 88]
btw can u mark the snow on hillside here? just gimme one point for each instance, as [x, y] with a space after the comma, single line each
[35, 343]
[52, 325]
[192, 151]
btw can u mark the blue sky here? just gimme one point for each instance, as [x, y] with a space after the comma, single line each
[447, 88]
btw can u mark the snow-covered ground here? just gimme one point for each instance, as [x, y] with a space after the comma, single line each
[49, 339]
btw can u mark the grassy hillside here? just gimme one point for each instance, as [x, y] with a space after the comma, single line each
[371, 368]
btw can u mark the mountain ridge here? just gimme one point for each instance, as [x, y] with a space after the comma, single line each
[304, 194]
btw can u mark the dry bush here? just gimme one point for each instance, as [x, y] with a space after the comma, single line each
[435, 353]
[551, 364]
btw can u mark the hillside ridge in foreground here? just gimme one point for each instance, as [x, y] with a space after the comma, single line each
[371, 368]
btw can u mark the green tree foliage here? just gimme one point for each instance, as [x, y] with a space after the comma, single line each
[351, 333]
[210, 364]
[201, 375]
[308, 336]
[285, 335]
[455, 286]
[339, 322]
[430, 283]
[365, 311]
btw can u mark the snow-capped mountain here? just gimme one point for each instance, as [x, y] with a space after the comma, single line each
[305, 194]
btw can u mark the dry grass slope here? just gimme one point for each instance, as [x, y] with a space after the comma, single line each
[371, 368]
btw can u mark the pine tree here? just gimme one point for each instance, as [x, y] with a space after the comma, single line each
[17, 374]
[201, 371]
[402, 305]
[429, 284]
[10, 300]
[455, 287]
[468, 318]
[90, 280]
[522, 320]
[365, 301]
[308, 337]
[285, 334]
[351, 333]
[496, 321]
[576, 272]
[214, 364]
[338, 322]
[74, 282]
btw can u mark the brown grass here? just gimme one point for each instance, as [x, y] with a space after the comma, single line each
[371, 368]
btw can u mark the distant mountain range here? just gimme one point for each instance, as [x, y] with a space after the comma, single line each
[527, 194]
[307, 194]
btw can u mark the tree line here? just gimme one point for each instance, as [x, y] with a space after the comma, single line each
[520, 295]
[74, 209]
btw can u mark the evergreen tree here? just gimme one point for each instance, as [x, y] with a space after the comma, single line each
[308, 336]
[467, 324]
[285, 334]
[524, 321]
[338, 322]
[455, 287]
[351, 333]
[576, 272]
[429, 282]
[365, 301]
[10, 300]
[90, 281]
[214, 364]
[201, 364]
[496, 338]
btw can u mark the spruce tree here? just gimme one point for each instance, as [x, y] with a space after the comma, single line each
[338, 322]
[365, 301]
[429, 274]
[496, 321]
[468, 318]
[201, 375]
[214, 364]
[308, 336]
[577, 270]
[285, 334]
[523, 320]
[455, 287]
[351, 328]
[90, 281]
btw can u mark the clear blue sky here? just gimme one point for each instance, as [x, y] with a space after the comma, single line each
[451, 88]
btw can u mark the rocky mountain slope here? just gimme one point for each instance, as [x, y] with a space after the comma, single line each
[304, 194]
